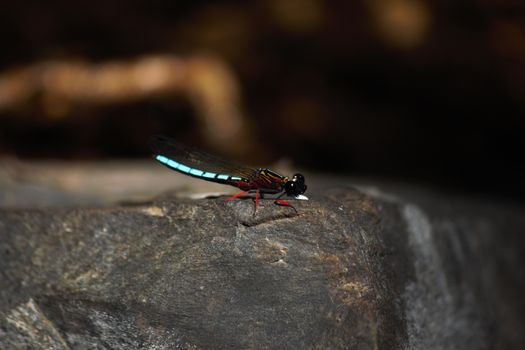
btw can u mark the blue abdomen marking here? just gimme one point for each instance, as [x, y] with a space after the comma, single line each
[194, 172]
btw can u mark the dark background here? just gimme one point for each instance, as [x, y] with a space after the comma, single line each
[428, 92]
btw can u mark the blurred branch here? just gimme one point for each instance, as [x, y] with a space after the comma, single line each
[403, 24]
[206, 82]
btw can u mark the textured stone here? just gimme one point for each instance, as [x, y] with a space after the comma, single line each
[353, 269]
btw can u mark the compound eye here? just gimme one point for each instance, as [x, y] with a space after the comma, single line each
[299, 178]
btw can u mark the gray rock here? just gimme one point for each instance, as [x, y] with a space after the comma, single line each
[353, 269]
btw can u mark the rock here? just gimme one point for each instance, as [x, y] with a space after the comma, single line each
[352, 269]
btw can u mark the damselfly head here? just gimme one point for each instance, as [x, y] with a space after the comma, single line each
[296, 187]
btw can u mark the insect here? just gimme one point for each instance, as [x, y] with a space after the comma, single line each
[261, 181]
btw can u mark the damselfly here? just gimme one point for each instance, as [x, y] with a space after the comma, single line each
[261, 181]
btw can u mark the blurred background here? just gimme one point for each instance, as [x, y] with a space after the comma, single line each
[418, 91]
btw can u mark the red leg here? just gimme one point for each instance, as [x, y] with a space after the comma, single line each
[237, 195]
[256, 200]
[285, 204]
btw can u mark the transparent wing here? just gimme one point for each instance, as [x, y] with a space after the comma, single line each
[189, 156]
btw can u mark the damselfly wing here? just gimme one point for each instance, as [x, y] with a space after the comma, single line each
[193, 162]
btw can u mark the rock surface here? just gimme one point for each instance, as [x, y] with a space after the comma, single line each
[353, 269]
